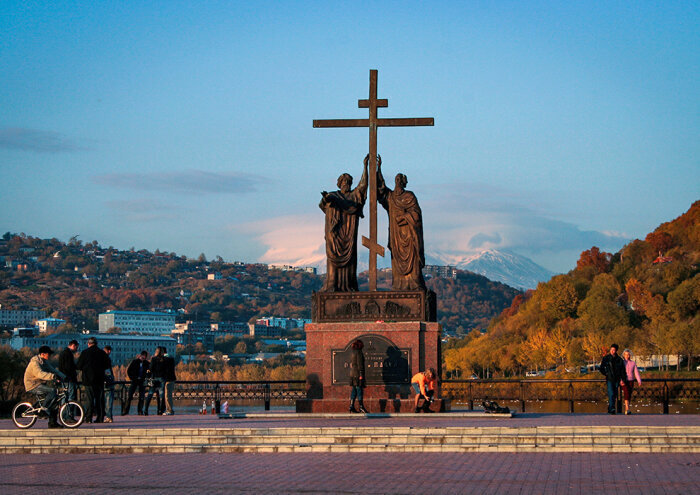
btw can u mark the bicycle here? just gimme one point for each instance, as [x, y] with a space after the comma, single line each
[70, 413]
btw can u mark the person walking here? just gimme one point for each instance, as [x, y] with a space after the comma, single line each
[156, 374]
[38, 373]
[109, 387]
[357, 376]
[66, 364]
[137, 372]
[170, 379]
[424, 385]
[613, 368]
[93, 362]
[631, 374]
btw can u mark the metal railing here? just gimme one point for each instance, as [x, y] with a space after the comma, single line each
[663, 390]
[219, 391]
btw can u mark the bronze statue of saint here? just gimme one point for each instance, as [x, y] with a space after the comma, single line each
[405, 232]
[343, 209]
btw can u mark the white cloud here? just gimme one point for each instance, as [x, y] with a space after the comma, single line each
[471, 217]
[467, 220]
[294, 239]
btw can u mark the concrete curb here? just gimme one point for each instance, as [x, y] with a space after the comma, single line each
[475, 414]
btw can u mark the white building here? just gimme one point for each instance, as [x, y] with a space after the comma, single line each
[143, 322]
[49, 324]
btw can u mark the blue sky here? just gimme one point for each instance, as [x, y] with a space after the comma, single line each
[187, 126]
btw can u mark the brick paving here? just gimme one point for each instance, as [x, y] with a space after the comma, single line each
[365, 473]
[369, 473]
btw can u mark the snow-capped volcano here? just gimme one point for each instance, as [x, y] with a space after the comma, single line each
[500, 266]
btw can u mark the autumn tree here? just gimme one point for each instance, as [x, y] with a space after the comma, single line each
[595, 258]
[660, 241]
[599, 310]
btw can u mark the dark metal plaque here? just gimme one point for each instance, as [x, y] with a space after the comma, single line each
[385, 363]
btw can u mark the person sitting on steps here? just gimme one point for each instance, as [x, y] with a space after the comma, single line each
[424, 385]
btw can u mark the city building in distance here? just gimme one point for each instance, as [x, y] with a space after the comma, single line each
[49, 324]
[142, 322]
[124, 347]
[281, 322]
[19, 317]
[440, 271]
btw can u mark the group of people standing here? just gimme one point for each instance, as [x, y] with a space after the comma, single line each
[622, 372]
[156, 375]
[95, 364]
[97, 378]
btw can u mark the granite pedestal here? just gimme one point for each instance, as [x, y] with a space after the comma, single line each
[394, 352]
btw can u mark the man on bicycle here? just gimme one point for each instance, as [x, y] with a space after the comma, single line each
[36, 377]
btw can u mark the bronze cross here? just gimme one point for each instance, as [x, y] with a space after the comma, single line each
[373, 122]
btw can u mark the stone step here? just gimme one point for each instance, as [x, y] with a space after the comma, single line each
[596, 431]
[347, 439]
[335, 448]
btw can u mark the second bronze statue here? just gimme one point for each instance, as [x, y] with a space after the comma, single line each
[405, 232]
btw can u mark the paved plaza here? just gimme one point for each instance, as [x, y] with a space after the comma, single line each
[361, 473]
[369, 473]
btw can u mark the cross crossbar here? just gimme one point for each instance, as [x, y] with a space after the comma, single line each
[425, 121]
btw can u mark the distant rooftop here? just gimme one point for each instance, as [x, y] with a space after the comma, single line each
[106, 336]
[121, 312]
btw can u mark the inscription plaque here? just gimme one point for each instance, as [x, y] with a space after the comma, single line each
[385, 363]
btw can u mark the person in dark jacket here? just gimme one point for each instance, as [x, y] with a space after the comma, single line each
[109, 387]
[157, 375]
[357, 376]
[170, 379]
[613, 367]
[93, 362]
[137, 372]
[66, 364]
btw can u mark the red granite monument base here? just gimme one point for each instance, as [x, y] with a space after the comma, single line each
[394, 352]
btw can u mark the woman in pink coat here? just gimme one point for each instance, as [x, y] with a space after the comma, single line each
[632, 374]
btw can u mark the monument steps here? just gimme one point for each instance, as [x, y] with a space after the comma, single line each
[348, 439]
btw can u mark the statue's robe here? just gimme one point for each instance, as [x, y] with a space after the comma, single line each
[405, 237]
[343, 212]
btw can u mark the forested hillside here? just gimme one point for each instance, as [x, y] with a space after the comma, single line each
[645, 297]
[76, 281]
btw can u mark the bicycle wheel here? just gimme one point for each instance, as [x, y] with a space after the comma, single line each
[22, 415]
[71, 414]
